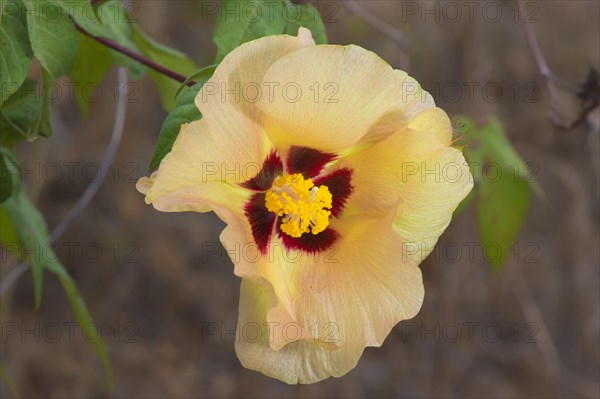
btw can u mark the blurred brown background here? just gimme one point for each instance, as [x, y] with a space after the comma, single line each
[154, 281]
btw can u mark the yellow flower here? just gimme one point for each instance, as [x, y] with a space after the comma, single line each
[335, 176]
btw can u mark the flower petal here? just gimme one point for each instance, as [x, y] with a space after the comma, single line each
[346, 299]
[309, 243]
[339, 183]
[328, 97]
[434, 121]
[261, 221]
[428, 200]
[271, 168]
[414, 101]
[417, 167]
[307, 161]
[227, 146]
[227, 100]
[194, 176]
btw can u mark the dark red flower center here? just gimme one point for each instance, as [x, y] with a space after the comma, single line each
[310, 163]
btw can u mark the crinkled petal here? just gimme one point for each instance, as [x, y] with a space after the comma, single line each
[434, 121]
[417, 167]
[318, 312]
[328, 97]
[414, 101]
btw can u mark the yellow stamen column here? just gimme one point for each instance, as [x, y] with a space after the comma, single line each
[302, 205]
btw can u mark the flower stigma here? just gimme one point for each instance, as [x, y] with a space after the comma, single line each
[302, 205]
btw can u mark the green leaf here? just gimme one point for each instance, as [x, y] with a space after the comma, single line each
[502, 186]
[464, 133]
[93, 62]
[497, 144]
[501, 209]
[29, 226]
[6, 184]
[503, 194]
[11, 175]
[82, 314]
[8, 233]
[108, 20]
[52, 35]
[307, 16]
[463, 130]
[167, 57]
[200, 74]
[21, 220]
[501, 150]
[15, 49]
[117, 26]
[84, 14]
[43, 123]
[185, 112]
[473, 149]
[25, 114]
[463, 204]
[240, 21]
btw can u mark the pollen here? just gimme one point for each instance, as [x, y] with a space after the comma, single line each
[303, 207]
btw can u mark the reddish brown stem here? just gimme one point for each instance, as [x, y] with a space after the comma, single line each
[135, 56]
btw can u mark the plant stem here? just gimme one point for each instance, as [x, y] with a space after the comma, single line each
[135, 56]
[553, 83]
